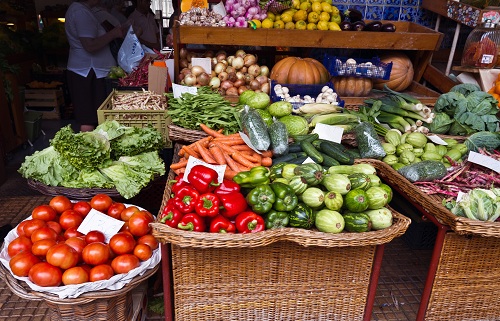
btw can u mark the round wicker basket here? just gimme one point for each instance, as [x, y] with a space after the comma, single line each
[71, 193]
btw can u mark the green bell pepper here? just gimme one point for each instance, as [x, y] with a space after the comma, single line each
[261, 199]
[256, 176]
[286, 200]
[275, 219]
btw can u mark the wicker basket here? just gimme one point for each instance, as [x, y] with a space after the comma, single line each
[71, 193]
[179, 134]
[98, 305]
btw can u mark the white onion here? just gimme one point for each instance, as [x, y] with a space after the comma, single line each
[249, 78]
[230, 59]
[264, 70]
[223, 76]
[219, 67]
[266, 88]
[244, 69]
[249, 60]
[197, 70]
[214, 82]
[232, 91]
[190, 80]
[214, 61]
[240, 53]
[262, 79]
[226, 84]
[230, 69]
[238, 83]
[240, 75]
[237, 63]
[254, 70]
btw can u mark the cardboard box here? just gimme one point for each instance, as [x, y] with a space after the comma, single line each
[158, 78]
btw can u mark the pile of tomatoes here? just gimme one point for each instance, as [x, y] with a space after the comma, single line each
[51, 252]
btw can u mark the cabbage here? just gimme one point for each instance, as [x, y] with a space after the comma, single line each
[440, 124]
[259, 100]
[295, 125]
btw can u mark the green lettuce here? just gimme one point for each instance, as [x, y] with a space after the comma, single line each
[111, 129]
[465, 89]
[149, 161]
[128, 180]
[89, 178]
[136, 141]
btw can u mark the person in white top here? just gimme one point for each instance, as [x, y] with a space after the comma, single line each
[89, 61]
[144, 25]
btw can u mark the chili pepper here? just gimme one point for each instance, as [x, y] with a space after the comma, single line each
[177, 183]
[249, 222]
[192, 222]
[286, 200]
[220, 224]
[203, 178]
[233, 204]
[185, 199]
[275, 219]
[261, 199]
[256, 176]
[226, 187]
[170, 216]
[207, 205]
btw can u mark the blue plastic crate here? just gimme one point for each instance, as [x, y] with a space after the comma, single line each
[367, 68]
[302, 90]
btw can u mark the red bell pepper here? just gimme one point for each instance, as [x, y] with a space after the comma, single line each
[170, 216]
[177, 183]
[186, 199]
[203, 179]
[233, 203]
[249, 222]
[226, 187]
[192, 222]
[220, 224]
[207, 205]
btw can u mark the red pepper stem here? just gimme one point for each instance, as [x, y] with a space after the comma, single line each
[167, 217]
[252, 225]
[223, 231]
[207, 203]
[188, 227]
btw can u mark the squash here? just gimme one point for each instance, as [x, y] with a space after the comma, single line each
[295, 70]
[401, 73]
[188, 4]
[352, 86]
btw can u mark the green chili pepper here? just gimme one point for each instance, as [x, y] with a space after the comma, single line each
[256, 176]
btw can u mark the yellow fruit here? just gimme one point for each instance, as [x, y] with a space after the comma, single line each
[290, 25]
[316, 7]
[290, 11]
[306, 6]
[324, 16]
[257, 22]
[271, 15]
[279, 25]
[311, 26]
[286, 17]
[301, 25]
[267, 23]
[313, 17]
[336, 18]
[328, 1]
[335, 11]
[300, 15]
[326, 7]
[277, 17]
[323, 25]
[296, 4]
[333, 26]
[313, 1]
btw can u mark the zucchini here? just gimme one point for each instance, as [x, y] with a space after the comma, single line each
[288, 157]
[298, 160]
[351, 169]
[279, 138]
[255, 128]
[329, 161]
[311, 151]
[307, 137]
[426, 170]
[294, 148]
[337, 151]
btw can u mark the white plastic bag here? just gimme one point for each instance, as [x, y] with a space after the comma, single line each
[131, 52]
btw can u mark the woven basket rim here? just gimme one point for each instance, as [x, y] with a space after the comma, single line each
[181, 134]
[72, 193]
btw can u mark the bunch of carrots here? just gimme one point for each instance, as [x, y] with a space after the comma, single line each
[220, 149]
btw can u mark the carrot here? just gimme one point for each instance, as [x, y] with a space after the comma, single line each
[217, 154]
[267, 161]
[266, 153]
[257, 156]
[180, 170]
[179, 164]
[229, 174]
[210, 131]
[190, 152]
[230, 141]
[240, 158]
[204, 141]
[242, 147]
[205, 154]
[231, 163]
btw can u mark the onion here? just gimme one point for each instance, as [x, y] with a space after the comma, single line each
[264, 70]
[183, 63]
[214, 82]
[183, 53]
[249, 60]
[237, 63]
[213, 74]
[223, 76]
[219, 67]
[197, 70]
[266, 88]
[221, 91]
[249, 78]
[242, 89]
[208, 54]
[230, 60]
[181, 77]
[221, 55]
[231, 76]
[244, 69]
[232, 91]
[254, 85]
[240, 53]
[203, 79]
[213, 61]
[230, 69]
[238, 83]
[240, 75]
[190, 55]
[262, 79]
[226, 84]
[190, 80]
[254, 70]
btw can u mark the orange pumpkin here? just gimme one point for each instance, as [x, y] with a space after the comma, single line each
[352, 86]
[188, 4]
[401, 74]
[295, 70]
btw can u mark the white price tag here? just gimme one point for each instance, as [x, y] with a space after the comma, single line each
[220, 9]
[460, 195]
[97, 221]
[329, 132]
[193, 161]
[437, 140]
[205, 63]
[178, 90]
[484, 160]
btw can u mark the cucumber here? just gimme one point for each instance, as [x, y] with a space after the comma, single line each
[329, 161]
[307, 137]
[294, 148]
[288, 157]
[357, 222]
[424, 171]
[298, 160]
[337, 151]
[279, 138]
[255, 128]
[311, 151]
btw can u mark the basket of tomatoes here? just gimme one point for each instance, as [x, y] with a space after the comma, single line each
[82, 258]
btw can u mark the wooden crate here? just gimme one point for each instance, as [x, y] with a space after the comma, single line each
[46, 101]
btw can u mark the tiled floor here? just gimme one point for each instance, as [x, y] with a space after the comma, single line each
[398, 293]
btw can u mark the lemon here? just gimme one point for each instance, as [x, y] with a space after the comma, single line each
[311, 26]
[286, 17]
[300, 15]
[333, 26]
[296, 4]
[271, 15]
[323, 25]
[257, 22]
[313, 1]
[328, 1]
[267, 23]
[301, 25]
[290, 25]
[290, 11]
[316, 7]
[336, 18]
[335, 10]
[326, 7]
[279, 25]
[306, 6]
[324, 16]
[313, 17]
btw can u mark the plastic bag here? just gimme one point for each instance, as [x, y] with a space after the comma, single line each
[131, 52]
[368, 143]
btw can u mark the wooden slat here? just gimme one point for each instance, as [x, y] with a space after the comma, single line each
[438, 79]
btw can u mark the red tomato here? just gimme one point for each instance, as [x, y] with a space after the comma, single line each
[124, 263]
[20, 228]
[127, 213]
[70, 218]
[40, 248]
[21, 263]
[122, 243]
[115, 210]
[101, 202]
[149, 214]
[32, 225]
[62, 255]
[101, 272]
[55, 226]
[44, 212]
[82, 207]
[139, 223]
[77, 244]
[43, 233]
[96, 253]
[72, 232]
[86, 267]
[95, 236]
[75, 275]
[150, 240]
[45, 274]
[125, 227]
[143, 252]
[19, 244]
[60, 203]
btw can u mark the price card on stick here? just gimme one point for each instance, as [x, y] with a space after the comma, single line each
[247, 141]
[178, 90]
[329, 132]
[192, 161]
[484, 160]
[97, 221]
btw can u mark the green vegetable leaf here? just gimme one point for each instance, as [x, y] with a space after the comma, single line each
[111, 129]
[465, 89]
[136, 141]
[89, 178]
[150, 161]
[128, 180]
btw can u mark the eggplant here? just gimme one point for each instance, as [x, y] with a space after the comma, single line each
[353, 15]
[373, 26]
[345, 26]
[388, 27]
[358, 25]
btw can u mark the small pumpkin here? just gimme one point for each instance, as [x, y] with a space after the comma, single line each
[188, 4]
[352, 86]
[401, 73]
[295, 70]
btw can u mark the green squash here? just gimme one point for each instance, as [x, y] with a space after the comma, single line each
[356, 201]
[301, 216]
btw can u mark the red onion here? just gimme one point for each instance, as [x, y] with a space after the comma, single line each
[226, 84]
[203, 79]
[266, 88]
[238, 83]
[231, 76]
[183, 63]
[183, 53]
[242, 89]
[262, 79]
[254, 85]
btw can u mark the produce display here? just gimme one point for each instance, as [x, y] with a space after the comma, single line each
[48, 250]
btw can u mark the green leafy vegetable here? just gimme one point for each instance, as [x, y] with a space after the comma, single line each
[89, 178]
[448, 102]
[483, 139]
[149, 161]
[465, 89]
[135, 141]
[128, 180]
[111, 129]
[441, 123]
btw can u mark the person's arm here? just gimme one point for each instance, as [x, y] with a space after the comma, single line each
[152, 45]
[95, 44]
